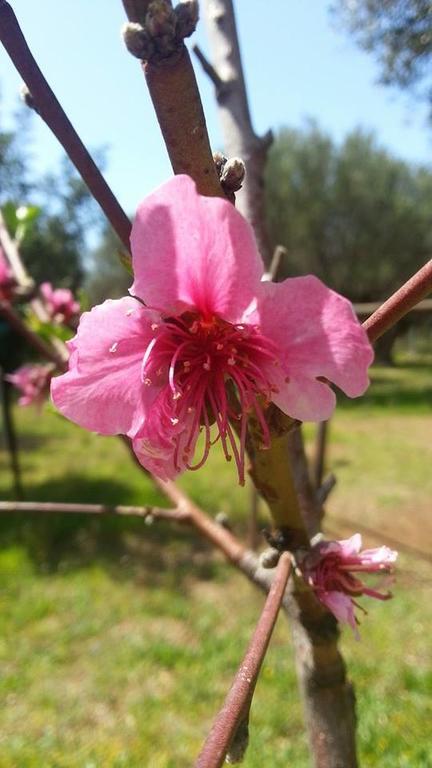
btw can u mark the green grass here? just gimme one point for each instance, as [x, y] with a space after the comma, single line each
[119, 640]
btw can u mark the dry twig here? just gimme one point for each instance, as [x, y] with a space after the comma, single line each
[238, 700]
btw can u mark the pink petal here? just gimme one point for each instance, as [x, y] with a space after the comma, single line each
[163, 448]
[103, 391]
[352, 546]
[379, 556]
[318, 336]
[194, 251]
[302, 398]
[341, 606]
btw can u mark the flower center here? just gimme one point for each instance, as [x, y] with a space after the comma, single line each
[217, 375]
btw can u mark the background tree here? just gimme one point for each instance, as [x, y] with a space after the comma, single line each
[399, 32]
[107, 277]
[352, 213]
[55, 245]
[14, 179]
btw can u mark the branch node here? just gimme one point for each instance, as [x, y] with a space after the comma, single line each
[231, 173]
[163, 31]
[240, 741]
[267, 140]
[27, 98]
[223, 520]
[323, 492]
[187, 14]
[137, 40]
[210, 71]
[269, 558]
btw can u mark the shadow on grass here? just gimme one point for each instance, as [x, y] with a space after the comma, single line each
[127, 547]
[27, 442]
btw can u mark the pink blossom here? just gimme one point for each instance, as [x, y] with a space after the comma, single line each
[330, 567]
[60, 303]
[7, 281]
[33, 381]
[206, 343]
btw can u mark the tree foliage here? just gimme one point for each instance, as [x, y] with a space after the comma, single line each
[55, 243]
[108, 277]
[399, 32]
[352, 213]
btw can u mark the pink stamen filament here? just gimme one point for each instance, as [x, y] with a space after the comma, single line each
[200, 357]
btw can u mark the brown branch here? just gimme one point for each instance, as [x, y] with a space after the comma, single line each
[307, 498]
[240, 139]
[209, 69]
[159, 513]
[220, 537]
[400, 303]
[51, 111]
[325, 489]
[364, 309]
[35, 341]
[238, 700]
[321, 441]
[177, 103]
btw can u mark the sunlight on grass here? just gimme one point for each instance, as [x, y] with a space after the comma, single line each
[120, 640]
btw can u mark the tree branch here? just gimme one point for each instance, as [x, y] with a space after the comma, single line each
[14, 259]
[400, 303]
[158, 513]
[51, 111]
[279, 254]
[177, 103]
[235, 710]
[23, 279]
[209, 70]
[240, 139]
[325, 489]
[35, 341]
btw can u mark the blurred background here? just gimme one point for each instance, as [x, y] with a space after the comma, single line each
[118, 642]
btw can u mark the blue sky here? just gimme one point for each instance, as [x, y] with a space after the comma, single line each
[297, 65]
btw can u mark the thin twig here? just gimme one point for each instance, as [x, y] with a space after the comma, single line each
[35, 341]
[159, 513]
[51, 111]
[400, 303]
[239, 697]
[320, 451]
[220, 537]
[10, 248]
[209, 69]
[323, 492]
[279, 254]
[23, 279]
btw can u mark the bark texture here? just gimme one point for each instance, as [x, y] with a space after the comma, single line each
[281, 473]
[239, 138]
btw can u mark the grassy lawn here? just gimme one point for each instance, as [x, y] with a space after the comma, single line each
[119, 640]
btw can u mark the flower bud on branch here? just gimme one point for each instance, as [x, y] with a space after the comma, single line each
[163, 31]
